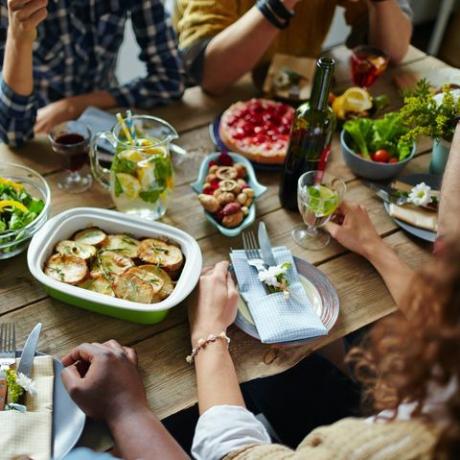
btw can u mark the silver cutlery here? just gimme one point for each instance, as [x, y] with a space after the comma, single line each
[252, 251]
[28, 353]
[265, 245]
[7, 356]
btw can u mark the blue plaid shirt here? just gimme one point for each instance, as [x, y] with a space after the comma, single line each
[76, 52]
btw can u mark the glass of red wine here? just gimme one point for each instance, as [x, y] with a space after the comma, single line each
[367, 64]
[71, 140]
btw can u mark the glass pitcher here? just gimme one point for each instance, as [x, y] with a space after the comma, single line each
[141, 177]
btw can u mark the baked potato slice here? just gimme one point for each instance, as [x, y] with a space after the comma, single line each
[128, 286]
[151, 277]
[167, 285]
[65, 268]
[110, 264]
[122, 244]
[74, 248]
[98, 284]
[158, 252]
[93, 236]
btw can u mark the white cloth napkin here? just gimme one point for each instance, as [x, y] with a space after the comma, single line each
[277, 319]
[29, 434]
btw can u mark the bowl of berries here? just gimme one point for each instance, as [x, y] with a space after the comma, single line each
[227, 188]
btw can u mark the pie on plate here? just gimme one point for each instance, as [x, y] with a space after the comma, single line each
[258, 129]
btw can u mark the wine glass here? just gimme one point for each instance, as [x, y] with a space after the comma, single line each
[367, 64]
[319, 194]
[71, 140]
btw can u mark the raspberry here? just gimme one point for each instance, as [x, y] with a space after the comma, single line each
[215, 184]
[225, 159]
[208, 190]
[212, 163]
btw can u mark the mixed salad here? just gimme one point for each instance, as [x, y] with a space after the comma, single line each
[18, 208]
[381, 140]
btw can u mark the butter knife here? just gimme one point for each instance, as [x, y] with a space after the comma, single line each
[265, 245]
[28, 353]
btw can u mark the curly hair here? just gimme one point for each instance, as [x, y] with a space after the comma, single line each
[403, 355]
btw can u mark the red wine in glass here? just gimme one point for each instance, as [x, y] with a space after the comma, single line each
[367, 64]
[74, 150]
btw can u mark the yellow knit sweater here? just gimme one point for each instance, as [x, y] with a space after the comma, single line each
[353, 439]
[197, 20]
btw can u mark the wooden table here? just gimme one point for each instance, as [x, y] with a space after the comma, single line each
[162, 347]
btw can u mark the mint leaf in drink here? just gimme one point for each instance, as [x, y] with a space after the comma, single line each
[152, 195]
[122, 165]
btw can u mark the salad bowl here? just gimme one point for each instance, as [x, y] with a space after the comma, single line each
[367, 168]
[258, 188]
[69, 222]
[26, 196]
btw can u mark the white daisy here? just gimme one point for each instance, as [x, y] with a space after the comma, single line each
[26, 383]
[420, 195]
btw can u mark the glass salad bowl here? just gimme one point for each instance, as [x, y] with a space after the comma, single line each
[24, 205]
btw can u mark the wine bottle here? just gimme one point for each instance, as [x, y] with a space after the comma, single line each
[311, 134]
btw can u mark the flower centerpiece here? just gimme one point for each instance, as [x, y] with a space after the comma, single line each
[430, 114]
[275, 278]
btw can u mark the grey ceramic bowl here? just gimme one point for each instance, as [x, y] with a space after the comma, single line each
[368, 168]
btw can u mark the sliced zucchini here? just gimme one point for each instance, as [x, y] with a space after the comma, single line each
[160, 253]
[73, 248]
[167, 285]
[122, 244]
[65, 268]
[98, 284]
[92, 235]
[110, 264]
[130, 287]
[151, 277]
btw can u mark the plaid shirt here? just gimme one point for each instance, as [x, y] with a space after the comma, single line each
[76, 52]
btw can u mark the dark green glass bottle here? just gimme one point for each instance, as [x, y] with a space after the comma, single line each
[311, 134]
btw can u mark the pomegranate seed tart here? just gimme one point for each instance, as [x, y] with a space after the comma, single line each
[258, 129]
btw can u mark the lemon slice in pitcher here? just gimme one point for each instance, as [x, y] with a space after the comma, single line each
[129, 184]
[131, 155]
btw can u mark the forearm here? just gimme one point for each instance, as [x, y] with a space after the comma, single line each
[99, 99]
[237, 49]
[139, 434]
[395, 273]
[216, 378]
[390, 29]
[449, 206]
[17, 65]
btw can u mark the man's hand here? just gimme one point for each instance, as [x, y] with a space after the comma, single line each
[24, 17]
[103, 380]
[57, 112]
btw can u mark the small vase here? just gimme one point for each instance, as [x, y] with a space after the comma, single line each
[439, 157]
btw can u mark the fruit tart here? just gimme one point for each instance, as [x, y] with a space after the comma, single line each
[258, 129]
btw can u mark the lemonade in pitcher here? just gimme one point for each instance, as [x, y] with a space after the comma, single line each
[141, 177]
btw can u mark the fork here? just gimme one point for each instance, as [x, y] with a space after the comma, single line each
[7, 356]
[252, 251]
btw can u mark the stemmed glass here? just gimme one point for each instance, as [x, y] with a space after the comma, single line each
[367, 64]
[71, 140]
[319, 194]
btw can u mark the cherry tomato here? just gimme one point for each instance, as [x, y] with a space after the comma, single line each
[393, 160]
[382, 156]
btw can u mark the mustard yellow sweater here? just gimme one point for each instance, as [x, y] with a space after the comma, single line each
[353, 439]
[198, 20]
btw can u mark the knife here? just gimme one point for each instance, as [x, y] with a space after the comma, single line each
[28, 353]
[265, 245]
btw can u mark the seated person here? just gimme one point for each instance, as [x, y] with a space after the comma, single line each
[59, 57]
[224, 39]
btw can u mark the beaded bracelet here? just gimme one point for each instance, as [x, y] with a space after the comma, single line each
[202, 343]
[265, 8]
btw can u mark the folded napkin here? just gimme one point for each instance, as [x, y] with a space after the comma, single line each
[277, 319]
[29, 434]
[416, 216]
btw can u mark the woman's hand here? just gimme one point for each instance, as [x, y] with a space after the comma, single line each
[103, 380]
[24, 17]
[215, 305]
[357, 232]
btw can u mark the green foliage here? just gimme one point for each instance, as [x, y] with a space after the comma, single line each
[423, 115]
